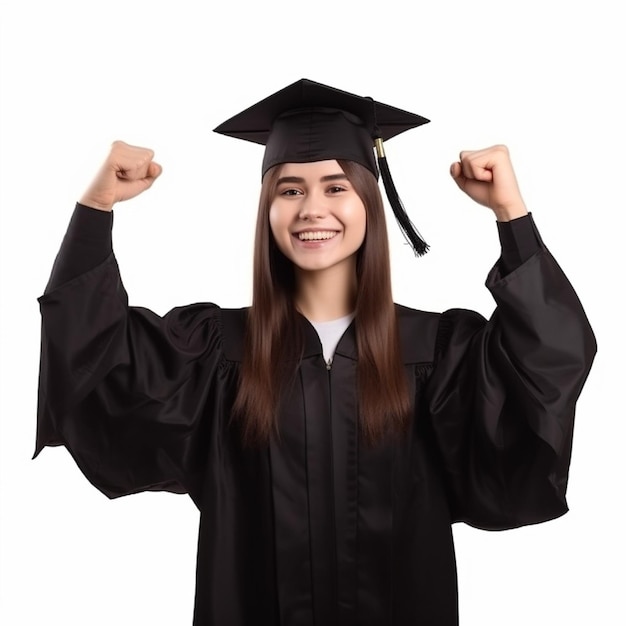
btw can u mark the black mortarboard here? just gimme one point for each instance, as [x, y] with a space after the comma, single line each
[307, 121]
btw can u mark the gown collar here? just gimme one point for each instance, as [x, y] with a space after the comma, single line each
[412, 324]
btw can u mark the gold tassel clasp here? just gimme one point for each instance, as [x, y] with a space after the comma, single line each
[380, 149]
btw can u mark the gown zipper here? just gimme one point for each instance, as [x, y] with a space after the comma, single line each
[329, 364]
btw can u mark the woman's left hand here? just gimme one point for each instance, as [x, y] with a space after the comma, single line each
[487, 177]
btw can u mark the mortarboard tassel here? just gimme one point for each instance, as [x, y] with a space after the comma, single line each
[411, 234]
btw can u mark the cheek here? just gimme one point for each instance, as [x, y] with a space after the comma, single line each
[279, 227]
[275, 221]
[359, 221]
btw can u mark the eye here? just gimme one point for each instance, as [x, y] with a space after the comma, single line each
[336, 189]
[290, 192]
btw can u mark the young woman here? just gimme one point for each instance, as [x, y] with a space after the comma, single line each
[328, 437]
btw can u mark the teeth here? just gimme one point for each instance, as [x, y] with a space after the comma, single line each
[316, 235]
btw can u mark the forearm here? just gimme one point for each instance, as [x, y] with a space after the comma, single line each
[86, 244]
[519, 240]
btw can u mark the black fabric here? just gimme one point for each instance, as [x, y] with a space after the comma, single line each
[317, 528]
[309, 135]
[86, 244]
[308, 121]
[519, 240]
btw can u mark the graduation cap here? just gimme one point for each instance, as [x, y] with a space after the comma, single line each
[307, 121]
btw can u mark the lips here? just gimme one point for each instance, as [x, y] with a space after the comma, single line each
[316, 235]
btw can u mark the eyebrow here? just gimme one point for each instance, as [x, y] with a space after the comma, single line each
[323, 179]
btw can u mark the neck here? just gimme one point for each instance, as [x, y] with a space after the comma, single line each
[327, 294]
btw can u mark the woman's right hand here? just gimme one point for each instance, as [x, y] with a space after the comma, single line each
[126, 172]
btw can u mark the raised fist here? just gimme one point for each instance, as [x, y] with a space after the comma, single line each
[487, 177]
[126, 172]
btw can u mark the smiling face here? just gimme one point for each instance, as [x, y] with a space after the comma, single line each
[317, 218]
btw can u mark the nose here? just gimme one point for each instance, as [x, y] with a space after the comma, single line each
[312, 206]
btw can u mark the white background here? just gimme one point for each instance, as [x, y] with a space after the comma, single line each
[546, 78]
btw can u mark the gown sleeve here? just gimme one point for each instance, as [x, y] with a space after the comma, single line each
[123, 389]
[503, 392]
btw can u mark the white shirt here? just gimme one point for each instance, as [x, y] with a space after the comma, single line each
[330, 333]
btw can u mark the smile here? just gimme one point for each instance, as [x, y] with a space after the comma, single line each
[316, 235]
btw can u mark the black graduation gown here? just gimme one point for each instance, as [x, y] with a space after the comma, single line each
[318, 528]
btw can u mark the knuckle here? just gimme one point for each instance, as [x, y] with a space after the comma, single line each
[144, 157]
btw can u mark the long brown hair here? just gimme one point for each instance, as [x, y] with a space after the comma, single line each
[273, 342]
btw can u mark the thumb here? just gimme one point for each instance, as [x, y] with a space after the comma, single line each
[152, 173]
[474, 188]
[154, 170]
[456, 171]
